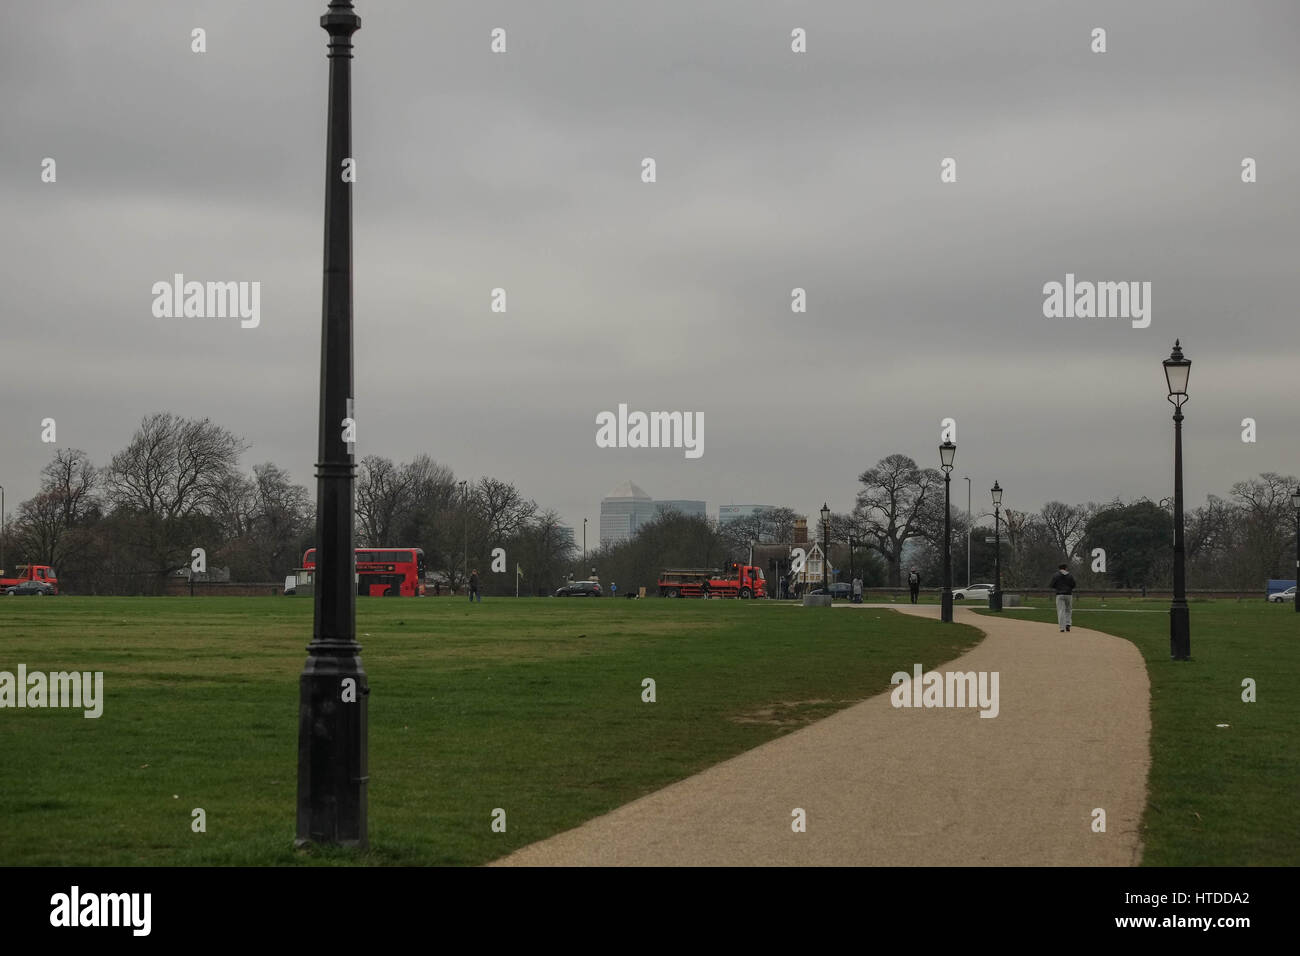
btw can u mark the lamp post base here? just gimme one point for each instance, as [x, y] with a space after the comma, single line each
[995, 601]
[945, 606]
[332, 749]
[1180, 633]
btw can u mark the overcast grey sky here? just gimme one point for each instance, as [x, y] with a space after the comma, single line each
[775, 170]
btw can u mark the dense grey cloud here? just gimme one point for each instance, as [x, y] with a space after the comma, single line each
[775, 170]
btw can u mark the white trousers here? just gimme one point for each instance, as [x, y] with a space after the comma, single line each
[1064, 604]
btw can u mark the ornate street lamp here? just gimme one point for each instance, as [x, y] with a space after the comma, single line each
[947, 452]
[826, 548]
[332, 689]
[1295, 503]
[1177, 371]
[996, 602]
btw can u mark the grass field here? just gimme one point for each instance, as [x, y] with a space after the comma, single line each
[1220, 796]
[530, 705]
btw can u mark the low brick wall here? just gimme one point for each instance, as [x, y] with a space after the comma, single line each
[181, 588]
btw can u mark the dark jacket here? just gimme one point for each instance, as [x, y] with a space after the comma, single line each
[913, 580]
[473, 582]
[1062, 582]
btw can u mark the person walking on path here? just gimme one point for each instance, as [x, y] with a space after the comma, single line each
[613, 589]
[857, 590]
[914, 584]
[1063, 584]
[473, 588]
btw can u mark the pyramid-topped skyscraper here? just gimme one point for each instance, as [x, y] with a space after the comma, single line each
[622, 511]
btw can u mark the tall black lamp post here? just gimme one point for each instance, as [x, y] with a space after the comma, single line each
[947, 451]
[1177, 371]
[826, 548]
[332, 689]
[996, 601]
[1295, 503]
[584, 542]
[464, 503]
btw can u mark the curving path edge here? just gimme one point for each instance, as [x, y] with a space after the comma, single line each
[885, 786]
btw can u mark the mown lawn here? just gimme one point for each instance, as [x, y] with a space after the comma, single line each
[530, 705]
[1218, 796]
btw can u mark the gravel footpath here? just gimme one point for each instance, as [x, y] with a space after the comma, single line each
[886, 786]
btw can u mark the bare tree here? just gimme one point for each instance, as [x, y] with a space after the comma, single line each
[282, 519]
[501, 509]
[1212, 537]
[542, 553]
[430, 485]
[892, 507]
[173, 467]
[1266, 507]
[163, 484]
[765, 525]
[1064, 525]
[381, 497]
[233, 506]
[46, 530]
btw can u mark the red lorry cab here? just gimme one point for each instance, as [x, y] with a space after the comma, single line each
[30, 572]
[736, 580]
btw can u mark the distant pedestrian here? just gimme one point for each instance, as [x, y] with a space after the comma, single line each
[436, 589]
[780, 588]
[1063, 584]
[613, 589]
[914, 584]
[857, 590]
[473, 588]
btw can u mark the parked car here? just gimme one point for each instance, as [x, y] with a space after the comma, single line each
[839, 589]
[579, 589]
[1278, 597]
[38, 588]
[975, 592]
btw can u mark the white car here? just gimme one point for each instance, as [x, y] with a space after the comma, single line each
[978, 592]
[1280, 596]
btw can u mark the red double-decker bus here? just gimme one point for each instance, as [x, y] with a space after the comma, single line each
[384, 572]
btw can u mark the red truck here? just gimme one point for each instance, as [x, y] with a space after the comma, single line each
[742, 581]
[30, 572]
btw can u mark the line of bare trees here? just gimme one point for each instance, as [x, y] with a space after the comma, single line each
[1233, 543]
[125, 527]
[897, 523]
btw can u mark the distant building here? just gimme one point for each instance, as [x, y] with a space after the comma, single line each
[800, 530]
[682, 506]
[566, 534]
[729, 513]
[811, 576]
[623, 511]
